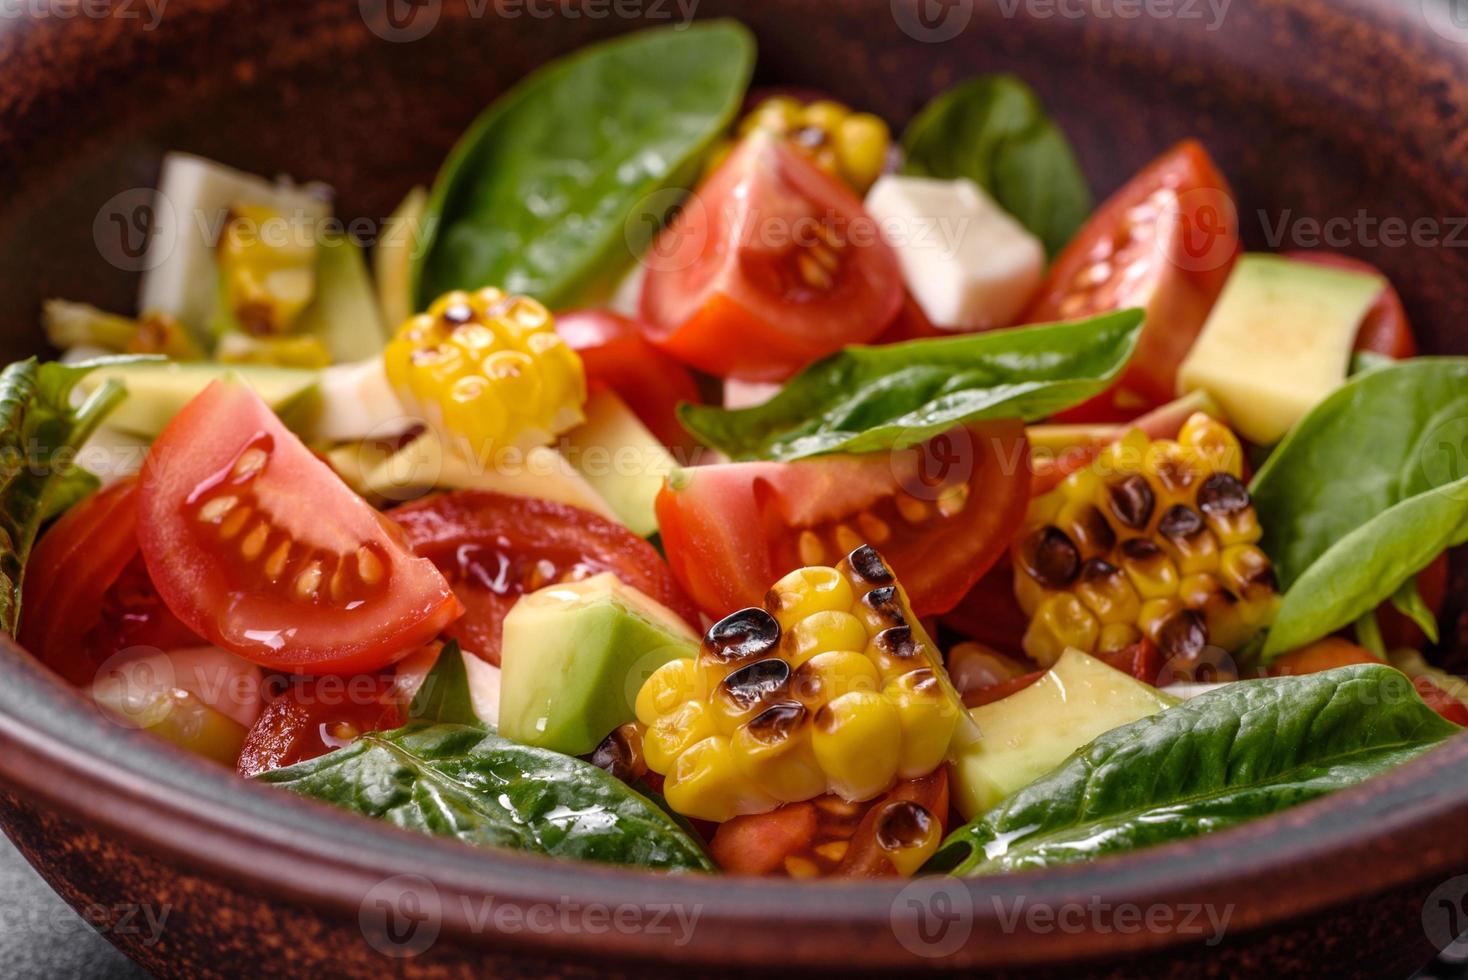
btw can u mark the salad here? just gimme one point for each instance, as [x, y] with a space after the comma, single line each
[706, 479]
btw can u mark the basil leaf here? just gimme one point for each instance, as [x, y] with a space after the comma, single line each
[467, 782]
[1408, 601]
[538, 197]
[444, 695]
[864, 399]
[1368, 566]
[1242, 751]
[1384, 436]
[40, 432]
[994, 131]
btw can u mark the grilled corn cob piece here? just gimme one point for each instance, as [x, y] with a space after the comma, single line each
[831, 687]
[267, 270]
[852, 146]
[489, 371]
[1156, 539]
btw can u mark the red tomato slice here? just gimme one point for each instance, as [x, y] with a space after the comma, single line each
[1384, 329]
[769, 266]
[941, 514]
[315, 715]
[255, 544]
[1165, 242]
[616, 355]
[495, 548]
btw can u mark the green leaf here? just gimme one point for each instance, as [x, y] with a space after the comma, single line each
[540, 195]
[994, 131]
[1368, 634]
[865, 399]
[1243, 751]
[40, 432]
[467, 782]
[1368, 566]
[444, 695]
[1408, 601]
[1387, 436]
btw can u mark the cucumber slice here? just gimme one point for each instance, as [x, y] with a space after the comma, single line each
[157, 390]
[344, 315]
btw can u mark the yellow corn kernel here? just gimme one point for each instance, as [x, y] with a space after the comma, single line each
[1173, 471]
[1217, 444]
[774, 752]
[827, 676]
[1107, 593]
[1028, 592]
[488, 370]
[908, 835]
[706, 783]
[807, 591]
[1187, 540]
[1117, 636]
[824, 114]
[823, 631]
[745, 691]
[1155, 613]
[1151, 572]
[667, 687]
[267, 270]
[1196, 591]
[1122, 457]
[857, 740]
[1061, 621]
[851, 146]
[1246, 571]
[778, 113]
[1086, 526]
[927, 718]
[862, 143]
[671, 734]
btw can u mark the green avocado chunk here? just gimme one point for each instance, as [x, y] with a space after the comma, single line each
[574, 657]
[158, 390]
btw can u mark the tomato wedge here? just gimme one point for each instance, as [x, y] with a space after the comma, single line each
[1165, 242]
[494, 548]
[1384, 329]
[314, 715]
[770, 265]
[256, 545]
[617, 357]
[941, 513]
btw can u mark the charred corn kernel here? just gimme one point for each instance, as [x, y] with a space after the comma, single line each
[267, 270]
[853, 146]
[706, 783]
[667, 687]
[1151, 530]
[908, 835]
[488, 370]
[827, 630]
[857, 742]
[807, 591]
[832, 688]
[69, 324]
[927, 719]
[1061, 621]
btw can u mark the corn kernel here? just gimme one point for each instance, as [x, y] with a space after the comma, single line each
[671, 734]
[666, 688]
[1117, 636]
[774, 752]
[908, 835]
[706, 783]
[1218, 446]
[827, 676]
[267, 270]
[828, 630]
[857, 740]
[1106, 592]
[807, 591]
[927, 719]
[862, 142]
[1061, 621]
[848, 145]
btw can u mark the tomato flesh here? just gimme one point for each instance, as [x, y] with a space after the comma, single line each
[771, 265]
[1165, 242]
[941, 514]
[1384, 329]
[494, 548]
[616, 356]
[256, 545]
[315, 715]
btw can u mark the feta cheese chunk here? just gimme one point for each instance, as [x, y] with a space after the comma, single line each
[969, 265]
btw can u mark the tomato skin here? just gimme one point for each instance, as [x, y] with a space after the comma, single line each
[1175, 221]
[1441, 701]
[1384, 330]
[759, 844]
[492, 546]
[70, 571]
[1326, 654]
[314, 715]
[731, 530]
[227, 447]
[617, 357]
[731, 288]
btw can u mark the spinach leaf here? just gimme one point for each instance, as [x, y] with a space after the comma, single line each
[539, 195]
[993, 130]
[1369, 566]
[864, 399]
[1242, 751]
[467, 782]
[1384, 436]
[40, 432]
[444, 695]
[1409, 602]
